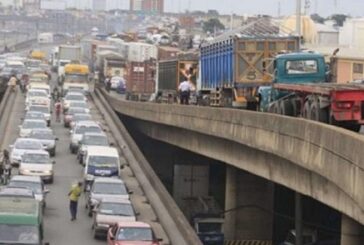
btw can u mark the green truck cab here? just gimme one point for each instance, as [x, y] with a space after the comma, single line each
[21, 222]
[293, 68]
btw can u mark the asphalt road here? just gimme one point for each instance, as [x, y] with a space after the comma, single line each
[59, 229]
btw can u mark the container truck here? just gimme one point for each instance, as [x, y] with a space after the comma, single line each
[67, 54]
[302, 88]
[172, 72]
[76, 77]
[140, 80]
[139, 52]
[234, 65]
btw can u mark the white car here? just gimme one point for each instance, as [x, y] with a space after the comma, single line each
[30, 124]
[106, 188]
[80, 104]
[21, 146]
[39, 97]
[81, 128]
[37, 163]
[72, 96]
[43, 109]
[90, 139]
[33, 183]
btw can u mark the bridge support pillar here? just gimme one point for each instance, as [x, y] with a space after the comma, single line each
[249, 206]
[351, 231]
[230, 203]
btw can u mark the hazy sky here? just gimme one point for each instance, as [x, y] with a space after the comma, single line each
[324, 7]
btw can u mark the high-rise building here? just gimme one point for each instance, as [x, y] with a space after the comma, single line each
[149, 6]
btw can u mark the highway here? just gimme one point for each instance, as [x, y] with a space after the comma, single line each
[59, 230]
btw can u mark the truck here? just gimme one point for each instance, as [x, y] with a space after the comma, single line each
[235, 65]
[191, 193]
[110, 63]
[67, 54]
[302, 88]
[76, 77]
[21, 221]
[140, 80]
[172, 72]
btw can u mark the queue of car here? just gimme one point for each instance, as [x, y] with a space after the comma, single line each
[23, 199]
[108, 198]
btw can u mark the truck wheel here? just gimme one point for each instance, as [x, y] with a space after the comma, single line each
[286, 108]
[306, 112]
[318, 114]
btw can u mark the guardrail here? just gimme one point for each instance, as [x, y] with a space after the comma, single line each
[8, 99]
[172, 219]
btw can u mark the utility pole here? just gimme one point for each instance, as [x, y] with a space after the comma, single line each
[298, 21]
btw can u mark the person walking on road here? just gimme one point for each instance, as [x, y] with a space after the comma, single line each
[12, 82]
[185, 89]
[58, 107]
[74, 195]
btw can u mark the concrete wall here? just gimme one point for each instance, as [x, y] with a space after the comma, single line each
[317, 160]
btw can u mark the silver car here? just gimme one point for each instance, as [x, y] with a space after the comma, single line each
[43, 109]
[105, 188]
[110, 211]
[21, 146]
[79, 130]
[90, 139]
[47, 138]
[33, 183]
[30, 124]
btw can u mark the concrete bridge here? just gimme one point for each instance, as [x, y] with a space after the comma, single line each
[317, 160]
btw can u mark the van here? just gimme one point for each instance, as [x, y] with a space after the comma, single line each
[100, 161]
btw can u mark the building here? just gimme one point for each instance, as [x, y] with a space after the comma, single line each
[99, 5]
[12, 3]
[327, 35]
[53, 4]
[147, 6]
[352, 34]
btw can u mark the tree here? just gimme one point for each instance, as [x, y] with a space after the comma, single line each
[317, 18]
[212, 12]
[339, 19]
[213, 25]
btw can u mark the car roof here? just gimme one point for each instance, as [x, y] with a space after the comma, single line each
[82, 114]
[26, 178]
[108, 180]
[8, 190]
[41, 130]
[102, 151]
[34, 120]
[36, 90]
[87, 123]
[94, 134]
[74, 93]
[133, 224]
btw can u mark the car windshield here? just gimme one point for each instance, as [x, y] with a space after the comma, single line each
[34, 158]
[42, 134]
[37, 94]
[99, 140]
[19, 234]
[114, 208]
[74, 97]
[35, 115]
[134, 234]
[29, 145]
[36, 187]
[87, 129]
[81, 117]
[103, 161]
[80, 104]
[34, 124]
[75, 110]
[42, 109]
[109, 188]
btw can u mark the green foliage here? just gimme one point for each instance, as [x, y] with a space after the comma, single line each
[317, 18]
[213, 25]
[339, 19]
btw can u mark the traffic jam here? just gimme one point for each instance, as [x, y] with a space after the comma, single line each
[29, 163]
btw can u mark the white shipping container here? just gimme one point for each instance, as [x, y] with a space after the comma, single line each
[140, 52]
[53, 5]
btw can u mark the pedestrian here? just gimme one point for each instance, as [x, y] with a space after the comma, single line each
[5, 168]
[23, 83]
[12, 82]
[108, 84]
[58, 107]
[55, 94]
[74, 195]
[185, 90]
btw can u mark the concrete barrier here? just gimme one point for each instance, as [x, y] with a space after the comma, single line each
[318, 160]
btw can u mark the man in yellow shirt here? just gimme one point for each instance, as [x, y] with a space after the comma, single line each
[74, 194]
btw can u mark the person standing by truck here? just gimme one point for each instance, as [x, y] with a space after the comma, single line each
[185, 90]
[74, 195]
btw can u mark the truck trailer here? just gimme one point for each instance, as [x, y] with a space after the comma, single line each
[172, 72]
[235, 64]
